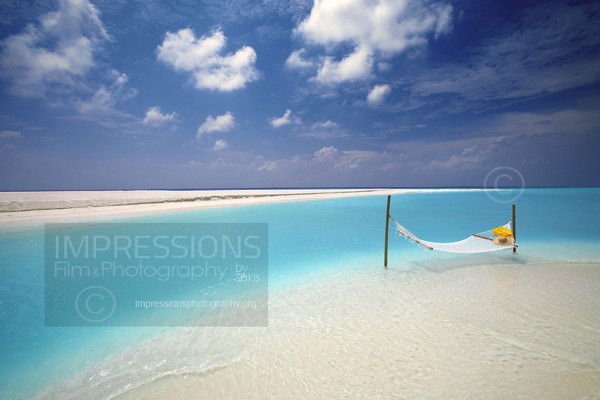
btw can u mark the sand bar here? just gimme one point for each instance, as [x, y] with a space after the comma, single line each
[63, 206]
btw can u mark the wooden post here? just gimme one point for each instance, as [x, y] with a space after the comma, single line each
[387, 227]
[514, 228]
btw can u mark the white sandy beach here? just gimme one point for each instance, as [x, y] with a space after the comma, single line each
[66, 206]
[471, 332]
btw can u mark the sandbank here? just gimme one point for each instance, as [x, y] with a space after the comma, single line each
[67, 206]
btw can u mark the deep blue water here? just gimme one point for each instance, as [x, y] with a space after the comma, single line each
[306, 239]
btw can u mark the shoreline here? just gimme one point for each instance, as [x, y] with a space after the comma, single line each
[41, 207]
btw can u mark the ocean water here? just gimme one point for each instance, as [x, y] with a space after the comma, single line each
[333, 250]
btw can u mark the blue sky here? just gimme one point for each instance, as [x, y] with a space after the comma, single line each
[221, 94]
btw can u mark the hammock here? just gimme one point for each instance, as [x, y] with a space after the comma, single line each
[479, 243]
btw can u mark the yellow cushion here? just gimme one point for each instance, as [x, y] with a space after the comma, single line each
[502, 231]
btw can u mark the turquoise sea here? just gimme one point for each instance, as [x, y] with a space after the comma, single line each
[309, 241]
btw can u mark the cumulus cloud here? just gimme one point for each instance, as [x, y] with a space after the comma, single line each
[337, 161]
[326, 125]
[378, 94]
[386, 25]
[326, 153]
[155, 117]
[203, 58]
[325, 130]
[56, 51]
[296, 60]
[355, 66]
[220, 145]
[221, 123]
[373, 27]
[286, 119]
[53, 59]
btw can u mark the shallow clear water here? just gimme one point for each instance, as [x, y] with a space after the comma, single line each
[310, 242]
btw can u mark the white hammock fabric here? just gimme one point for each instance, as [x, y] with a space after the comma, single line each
[479, 243]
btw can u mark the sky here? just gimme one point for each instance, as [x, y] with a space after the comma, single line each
[128, 94]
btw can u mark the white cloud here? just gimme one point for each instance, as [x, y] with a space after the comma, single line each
[550, 48]
[336, 162]
[102, 102]
[326, 153]
[194, 164]
[106, 97]
[155, 117]
[326, 164]
[120, 81]
[286, 119]
[58, 50]
[385, 25]
[296, 60]
[355, 66]
[351, 159]
[220, 145]
[267, 165]
[470, 154]
[202, 57]
[222, 123]
[378, 94]
[53, 58]
[374, 27]
[570, 121]
[325, 130]
[10, 135]
[384, 66]
[326, 125]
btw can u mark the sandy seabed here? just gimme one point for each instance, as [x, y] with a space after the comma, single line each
[508, 331]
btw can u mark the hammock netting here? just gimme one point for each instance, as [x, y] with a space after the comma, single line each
[478, 243]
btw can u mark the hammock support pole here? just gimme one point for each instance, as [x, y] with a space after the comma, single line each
[387, 226]
[514, 227]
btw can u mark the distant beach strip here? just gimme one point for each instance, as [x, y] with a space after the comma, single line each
[65, 206]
